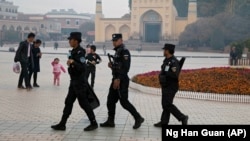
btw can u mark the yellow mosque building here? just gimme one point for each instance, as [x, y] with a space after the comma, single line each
[150, 21]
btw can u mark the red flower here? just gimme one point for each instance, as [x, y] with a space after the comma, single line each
[212, 80]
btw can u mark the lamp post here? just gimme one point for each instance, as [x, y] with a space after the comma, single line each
[23, 35]
[1, 38]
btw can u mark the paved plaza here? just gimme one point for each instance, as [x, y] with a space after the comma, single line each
[27, 116]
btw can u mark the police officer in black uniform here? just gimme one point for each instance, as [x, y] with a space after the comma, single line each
[92, 59]
[120, 83]
[169, 80]
[78, 84]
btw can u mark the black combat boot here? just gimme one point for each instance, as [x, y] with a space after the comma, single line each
[61, 125]
[159, 124]
[109, 123]
[21, 87]
[36, 85]
[185, 120]
[93, 125]
[138, 122]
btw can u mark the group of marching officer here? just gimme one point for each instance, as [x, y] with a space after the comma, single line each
[119, 87]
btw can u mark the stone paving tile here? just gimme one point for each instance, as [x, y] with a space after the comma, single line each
[27, 116]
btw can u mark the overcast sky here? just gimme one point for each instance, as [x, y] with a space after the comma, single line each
[111, 8]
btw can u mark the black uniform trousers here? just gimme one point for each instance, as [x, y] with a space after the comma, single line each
[168, 95]
[122, 96]
[25, 69]
[34, 76]
[78, 90]
[233, 61]
[91, 70]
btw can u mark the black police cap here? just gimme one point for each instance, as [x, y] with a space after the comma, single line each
[116, 36]
[169, 47]
[76, 36]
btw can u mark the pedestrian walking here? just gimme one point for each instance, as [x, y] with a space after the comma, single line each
[57, 69]
[92, 59]
[233, 57]
[169, 80]
[44, 44]
[78, 88]
[56, 45]
[118, 90]
[36, 59]
[24, 56]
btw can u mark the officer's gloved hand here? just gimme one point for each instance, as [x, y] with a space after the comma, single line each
[110, 65]
[69, 62]
[93, 62]
[39, 55]
[116, 84]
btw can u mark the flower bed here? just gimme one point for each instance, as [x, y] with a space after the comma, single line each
[211, 80]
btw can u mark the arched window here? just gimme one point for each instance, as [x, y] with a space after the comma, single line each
[26, 28]
[77, 22]
[12, 28]
[68, 22]
[4, 28]
[151, 16]
[34, 29]
[110, 29]
[125, 30]
[151, 24]
[19, 28]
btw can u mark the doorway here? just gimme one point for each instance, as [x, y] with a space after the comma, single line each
[152, 32]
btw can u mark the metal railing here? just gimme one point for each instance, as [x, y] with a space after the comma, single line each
[194, 95]
[239, 62]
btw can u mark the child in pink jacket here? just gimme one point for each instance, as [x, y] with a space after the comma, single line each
[57, 68]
